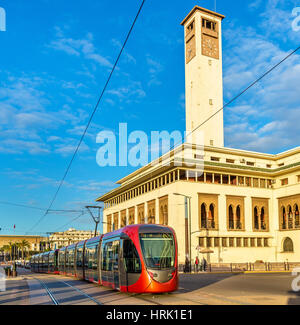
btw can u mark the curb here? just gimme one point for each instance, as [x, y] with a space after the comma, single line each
[239, 272]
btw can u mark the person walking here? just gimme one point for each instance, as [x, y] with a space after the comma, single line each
[187, 266]
[204, 264]
[197, 263]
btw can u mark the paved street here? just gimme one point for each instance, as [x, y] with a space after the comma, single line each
[197, 289]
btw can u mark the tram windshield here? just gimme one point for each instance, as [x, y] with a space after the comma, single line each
[158, 250]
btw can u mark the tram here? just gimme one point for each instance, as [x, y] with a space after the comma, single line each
[136, 258]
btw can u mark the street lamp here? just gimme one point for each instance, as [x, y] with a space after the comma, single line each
[188, 230]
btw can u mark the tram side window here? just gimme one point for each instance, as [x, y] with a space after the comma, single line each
[132, 261]
[79, 257]
[61, 259]
[91, 253]
[95, 259]
[71, 258]
[107, 256]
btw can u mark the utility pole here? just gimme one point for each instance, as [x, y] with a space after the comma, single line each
[95, 218]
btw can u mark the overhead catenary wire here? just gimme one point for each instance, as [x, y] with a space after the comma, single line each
[37, 208]
[91, 116]
[238, 95]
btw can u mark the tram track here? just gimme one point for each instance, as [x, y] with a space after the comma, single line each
[53, 296]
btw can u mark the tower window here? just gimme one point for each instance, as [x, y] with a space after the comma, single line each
[208, 24]
[190, 27]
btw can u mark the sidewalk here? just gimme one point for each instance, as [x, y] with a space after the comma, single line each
[15, 291]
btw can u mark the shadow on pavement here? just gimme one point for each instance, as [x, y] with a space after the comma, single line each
[192, 282]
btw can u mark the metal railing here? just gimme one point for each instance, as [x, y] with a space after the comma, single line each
[243, 267]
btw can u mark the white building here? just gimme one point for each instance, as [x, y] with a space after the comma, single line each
[244, 205]
[69, 237]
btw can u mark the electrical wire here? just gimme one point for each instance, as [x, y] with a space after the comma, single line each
[239, 95]
[37, 208]
[91, 117]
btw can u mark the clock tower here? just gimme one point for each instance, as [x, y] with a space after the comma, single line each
[204, 77]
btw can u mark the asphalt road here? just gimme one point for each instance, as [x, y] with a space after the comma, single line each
[195, 289]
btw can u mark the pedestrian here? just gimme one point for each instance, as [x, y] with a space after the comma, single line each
[204, 264]
[197, 263]
[186, 267]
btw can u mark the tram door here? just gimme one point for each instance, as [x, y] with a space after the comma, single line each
[116, 261]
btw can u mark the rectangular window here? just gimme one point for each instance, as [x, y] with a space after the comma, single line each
[217, 242]
[263, 183]
[284, 181]
[238, 242]
[246, 242]
[217, 179]
[209, 178]
[201, 241]
[225, 179]
[250, 163]
[248, 181]
[224, 242]
[269, 166]
[255, 182]
[252, 242]
[281, 165]
[214, 159]
[208, 24]
[231, 242]
[233, 180]
[298, 178]
[259, 242]
[192, 176]
[200, 177]
[241, 181]
[190, 28]
[266, 242]
[208, 242]
[230, 161]
[183, 175]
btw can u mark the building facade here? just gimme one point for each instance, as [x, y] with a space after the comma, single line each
[69, 237]
[229, 205]
[36, 243]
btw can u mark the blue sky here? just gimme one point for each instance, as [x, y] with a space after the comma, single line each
[54, 60]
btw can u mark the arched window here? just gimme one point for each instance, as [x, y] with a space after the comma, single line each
[288, 245]
[151, 217]
[238, 218]
[256, 220]
[283, 217]
[165, 215]
[290, 217]
[297, 220]
[203, 216]
[231, 221]
[262, 219]
[131, 219]
[161, 217]
[211, 217]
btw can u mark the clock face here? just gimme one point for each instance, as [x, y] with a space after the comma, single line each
[210, 46]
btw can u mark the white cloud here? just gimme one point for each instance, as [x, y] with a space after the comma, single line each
[265, 118]
[79, 47]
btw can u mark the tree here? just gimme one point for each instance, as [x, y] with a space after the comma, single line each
[11, 246]
[23, 245]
